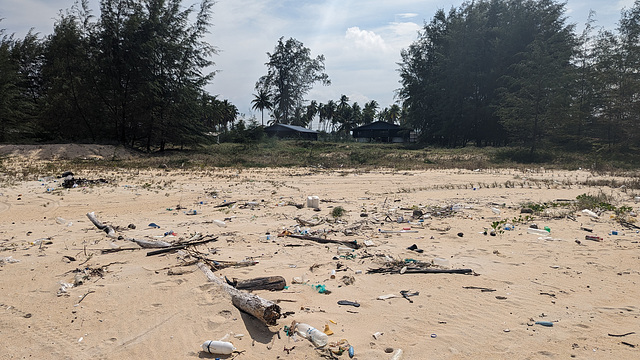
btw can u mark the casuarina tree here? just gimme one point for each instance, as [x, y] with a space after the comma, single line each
[291, 74]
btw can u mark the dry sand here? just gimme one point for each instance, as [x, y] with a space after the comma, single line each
[129, 307]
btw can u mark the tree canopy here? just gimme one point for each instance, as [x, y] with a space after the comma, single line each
[495, 72]
[491, 72]
[136, 75]
[291, 73]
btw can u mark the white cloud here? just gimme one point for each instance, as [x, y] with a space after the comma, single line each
[407, 15]
[405, 29]
[365, 40]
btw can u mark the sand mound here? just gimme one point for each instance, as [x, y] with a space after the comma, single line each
[64, 152]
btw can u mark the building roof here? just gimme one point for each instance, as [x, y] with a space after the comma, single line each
[301, 129]
[378, 125]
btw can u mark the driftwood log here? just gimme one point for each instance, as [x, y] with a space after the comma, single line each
[352, 244]
[266, 311]
[260, 283]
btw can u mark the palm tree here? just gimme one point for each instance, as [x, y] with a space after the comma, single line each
[312, 110]
[344, 102]
[369, 112]
[343, 112]
[394, 113]
[383, 115]
[229, 114]
[299, 117]
[261, 101]
[356, 115]
[330, 111]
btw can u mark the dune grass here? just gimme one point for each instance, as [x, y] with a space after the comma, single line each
[272, 153]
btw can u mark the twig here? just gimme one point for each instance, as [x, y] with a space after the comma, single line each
[238, 353]
[108, 251]
[85, 295]
[483, 289]
[621, 335]
[88, 258]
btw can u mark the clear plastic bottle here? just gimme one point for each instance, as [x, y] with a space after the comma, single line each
[317, 337]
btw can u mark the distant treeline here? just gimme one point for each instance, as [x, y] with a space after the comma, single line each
[135, 76]
[495, 72]
[491, 72]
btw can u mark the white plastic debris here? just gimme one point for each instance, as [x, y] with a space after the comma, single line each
[8, 260]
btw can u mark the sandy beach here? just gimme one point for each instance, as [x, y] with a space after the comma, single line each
[69, 291]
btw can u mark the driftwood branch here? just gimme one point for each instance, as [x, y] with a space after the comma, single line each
[150, 243]
[181, 246]
[438, 271]
[388, 270]
[111, 232]
[225, 204]
[264, 310]
[629, 225]
[304, 222]
[352, 244]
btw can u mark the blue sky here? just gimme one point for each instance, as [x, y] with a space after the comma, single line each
[360, 39]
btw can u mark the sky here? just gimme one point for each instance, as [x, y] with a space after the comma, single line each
[360, 39]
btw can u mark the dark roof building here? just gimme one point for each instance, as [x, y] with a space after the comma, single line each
[291, 132]
[381, 131]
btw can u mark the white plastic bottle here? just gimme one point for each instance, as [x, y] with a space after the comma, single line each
[220, 223]
[218, 347]
[590, 213]
[397, 355]
[317, 337]
[540, 232]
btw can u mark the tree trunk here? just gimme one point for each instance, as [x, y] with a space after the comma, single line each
[264, 310]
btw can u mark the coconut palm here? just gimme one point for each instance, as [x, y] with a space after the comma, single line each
[369, 112]
[329, 111]
[312, 110]
[229, 114]
[261, 101]
[394, 113]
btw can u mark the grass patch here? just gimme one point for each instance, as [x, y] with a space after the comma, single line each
[338, 212]
[335, 155]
